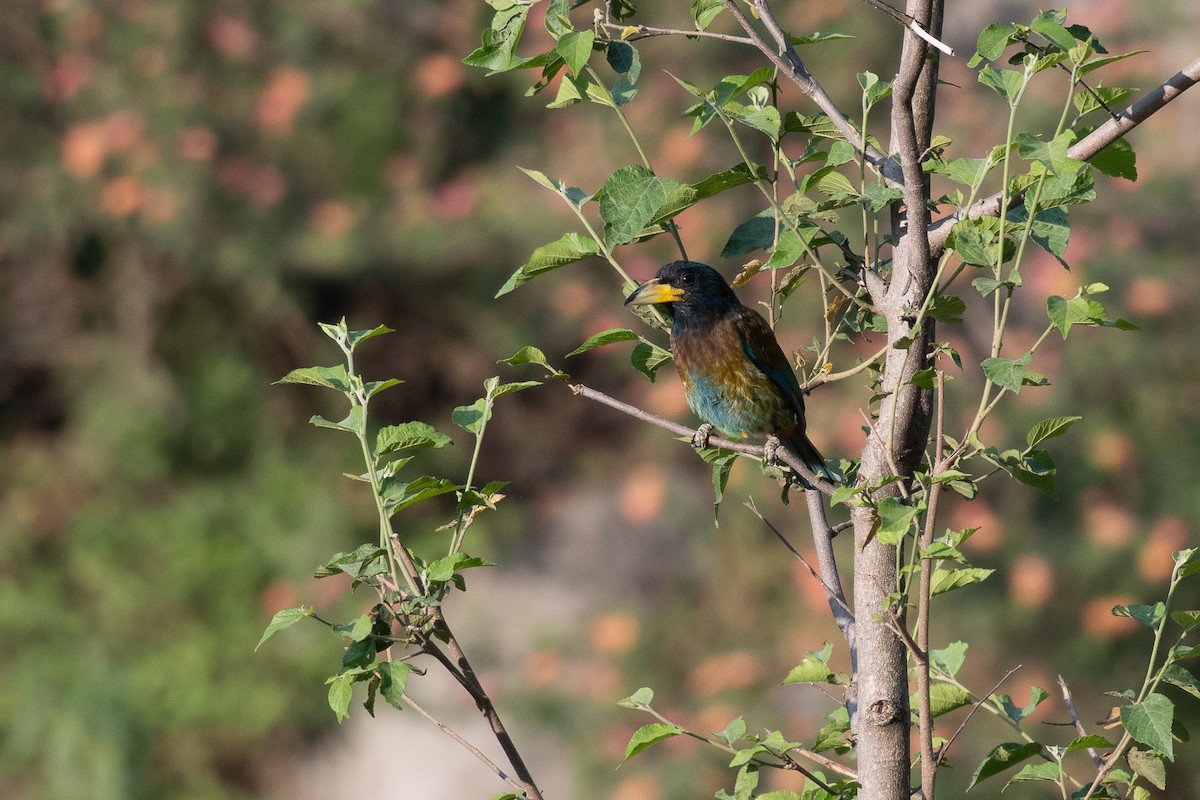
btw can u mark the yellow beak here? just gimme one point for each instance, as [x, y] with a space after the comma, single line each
[653, 292]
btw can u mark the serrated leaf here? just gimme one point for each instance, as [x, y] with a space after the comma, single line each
[1182, 678]
[353, 421]
[949, 659]
[356, 630]
[1148, 765]
[375, 387]
[567, 249]
[629, 200]
[341, 689]
[947, 580]
[705, 11]
[947, 308]
[1045, 771]
[1036, 695]
[734, 731]
[398, 496]
[647, 358]
[1007, 373]
[1149, 722]
[1186, 619]
[443, 569]
[576, 48]
[813, 668]
[1148, 615]
[329, 377]
[639, 699]
[516, 386]
[992, 42]
[415, 434]
[1095, 740]
[604, 337]
[895, 519]
[1003, 757]
[649, 735]
[355, 338]
[946, 697]
[283, 619]
[471, 418]
[1117, 160]
[1049, 428]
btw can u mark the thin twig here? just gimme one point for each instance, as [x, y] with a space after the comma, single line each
[783, 454]
[887, 453]
[910, 23]
[647, 31]
[475, 751]
[1085, 149]
[946, 747]
[1078, 723]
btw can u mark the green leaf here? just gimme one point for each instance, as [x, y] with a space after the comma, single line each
[1005, 82]
[1044, 771]
[624, 60]
[604, 337]
[817, 38]
[949, 660]
[472, 418]
[1084, 742]
[705, 11]
[639, 699]
[1003, 757]
[443, 569]
[1184, 679]
[1117, 160]
[647, 358]
[945, 697]
[1036, 695]
[947, 308]
[1149, 615]
[576, 48]
[1051, 229]
[408, 435]
[341, 689]
[947, 580]
[1186, 619]
[629, 200]
[366, 560]
[650, 735]
[352, 423]
[1148, 765]
[355, 338]
[329, 377]
[974, 240]
[1049, 25]
[992, 42]
[567, 249]
[398, 496]
[375, 387]
[498, 43]
[895, 520]
[1149, 722]
[734, 731]
[531, 355]
[357, 630]
[814, 668]
[1049, 428]
[1007, 373]
[283, 619]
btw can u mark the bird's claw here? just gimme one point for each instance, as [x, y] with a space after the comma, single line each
[700, 437]
[771, 451]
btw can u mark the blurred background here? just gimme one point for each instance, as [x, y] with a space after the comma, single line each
[187, 188]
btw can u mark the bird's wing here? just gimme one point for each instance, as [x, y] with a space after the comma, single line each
[760, 346]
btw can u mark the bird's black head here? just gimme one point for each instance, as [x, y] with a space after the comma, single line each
[687, 288]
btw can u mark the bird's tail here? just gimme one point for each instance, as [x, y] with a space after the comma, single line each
[811, 458]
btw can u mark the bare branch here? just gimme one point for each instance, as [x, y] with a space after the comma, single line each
[784, 56]
[962, 726]
[784, 455]
[1078, 723]
[475, 751]
[1086, 148]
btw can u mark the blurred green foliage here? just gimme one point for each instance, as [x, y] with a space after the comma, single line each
[186, 187]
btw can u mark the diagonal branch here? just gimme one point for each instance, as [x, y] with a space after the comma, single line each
[784, 56]
[1085, 149]
[783, 454]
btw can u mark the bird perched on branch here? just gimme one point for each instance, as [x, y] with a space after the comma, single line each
[734, 373]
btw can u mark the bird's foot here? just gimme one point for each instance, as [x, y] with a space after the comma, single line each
[700, 437]
[771, 450]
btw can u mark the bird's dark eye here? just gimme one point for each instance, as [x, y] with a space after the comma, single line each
[686, 279]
